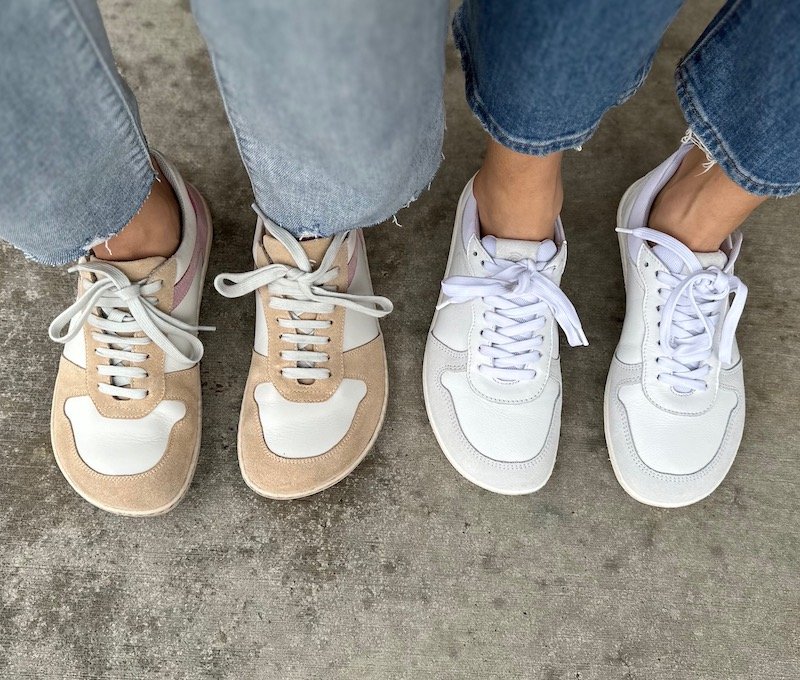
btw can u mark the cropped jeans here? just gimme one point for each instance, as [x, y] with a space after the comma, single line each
[337, 107]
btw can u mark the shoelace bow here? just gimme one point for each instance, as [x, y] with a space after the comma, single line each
[520, 298]
[302, 290]
[692, 310]
[126, 309]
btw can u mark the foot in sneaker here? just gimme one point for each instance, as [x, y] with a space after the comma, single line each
[492, 372]
[125, 422]
[316, 393]
[674, 400]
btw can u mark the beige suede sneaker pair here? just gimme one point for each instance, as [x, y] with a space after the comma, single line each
[125, 422]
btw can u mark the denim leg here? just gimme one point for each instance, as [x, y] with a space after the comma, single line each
[541, 74]
[74, 165]
[337, 106]
[739, 87]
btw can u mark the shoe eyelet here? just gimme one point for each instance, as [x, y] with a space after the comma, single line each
[474, 253]
[646, 264]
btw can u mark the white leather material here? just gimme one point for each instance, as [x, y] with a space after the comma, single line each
[188, 310]
[625, 445]
[359, 329]
[490, 387]
[459, 326]
[634, 208]
[674, 443]
[511, 478]
[500, 435]
[121, 446]
[306, 429]
[183, 256]
[261, 343]
[75, 349]
[639, 339]
[668, 448]
[518, 429]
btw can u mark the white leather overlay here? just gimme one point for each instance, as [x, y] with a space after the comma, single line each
[121, 446]
[359, 329]
[654, 432]
[508, 432]
[305, 429]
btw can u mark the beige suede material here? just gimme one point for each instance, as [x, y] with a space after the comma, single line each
[291, 389]
[151, 492]
[278, 477]
[150, 269]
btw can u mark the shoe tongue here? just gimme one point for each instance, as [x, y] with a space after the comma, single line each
[136, 270]
[675, 264]
[515, 250]
[315, 249]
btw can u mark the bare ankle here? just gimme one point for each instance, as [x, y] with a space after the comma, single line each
[701, 206]
[518, 196]
[154, 231]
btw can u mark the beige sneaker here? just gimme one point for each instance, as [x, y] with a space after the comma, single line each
[125, 423]
[316, 393]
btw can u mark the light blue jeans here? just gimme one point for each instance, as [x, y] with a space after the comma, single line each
[337, 106]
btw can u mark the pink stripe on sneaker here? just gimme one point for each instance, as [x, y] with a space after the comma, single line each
[198, 255]
[353, 262]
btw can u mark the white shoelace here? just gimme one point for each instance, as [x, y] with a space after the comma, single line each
[302, 290]
[521, 298]
[692, 309]
[126, 309]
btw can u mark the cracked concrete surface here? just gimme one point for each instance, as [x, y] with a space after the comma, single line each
[405, 570]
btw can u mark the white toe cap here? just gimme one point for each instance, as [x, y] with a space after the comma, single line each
[121, 446]
[508, 432]
[675, 443]
[305, 429]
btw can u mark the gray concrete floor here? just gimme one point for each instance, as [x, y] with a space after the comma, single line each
[405, 570]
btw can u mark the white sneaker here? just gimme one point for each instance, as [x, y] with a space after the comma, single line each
[492, 374]
[674, 400]
[125, 422]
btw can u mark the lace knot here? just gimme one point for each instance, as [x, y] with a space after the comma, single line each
[129, 292]
[520, 298]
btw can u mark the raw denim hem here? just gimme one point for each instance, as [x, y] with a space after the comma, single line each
[527, 145]
[714, 141]
[390, 215]
[134, 202]
[133, 195]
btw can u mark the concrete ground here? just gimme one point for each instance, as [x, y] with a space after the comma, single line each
[405, 570]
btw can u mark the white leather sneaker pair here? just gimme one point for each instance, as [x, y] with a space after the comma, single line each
[125, 424]
[674, 400]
